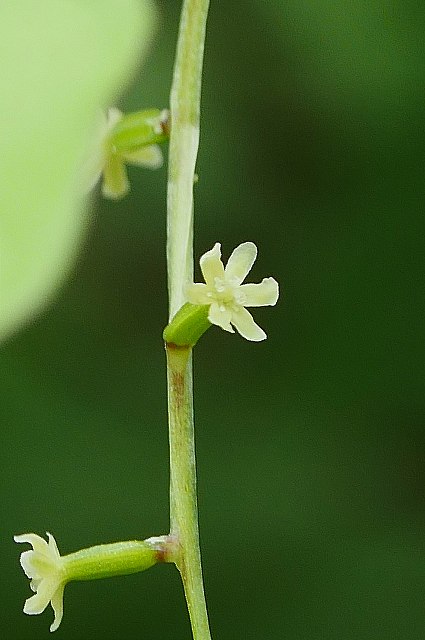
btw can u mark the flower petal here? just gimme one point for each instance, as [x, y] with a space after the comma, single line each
[53, 547]
[263, 294]
[198, 294]
[34, 584]
[114, 115]
[240, 262]
[38, 602]
[115, 181]
[211, 265]
[244, 323]
[92, 175]
[29, 566]
[57, 605]
[220, 316]
[150, 156]
[38, 544]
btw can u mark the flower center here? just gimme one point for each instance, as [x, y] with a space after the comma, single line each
[224, 291]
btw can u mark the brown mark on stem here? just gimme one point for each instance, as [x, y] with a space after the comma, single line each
[178, 388]
[177, 357]
[165, 124]
[168, 549]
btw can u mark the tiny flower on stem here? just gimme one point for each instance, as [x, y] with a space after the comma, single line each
[49, 571]
[225, 294]
[110, 161]
[45, 568]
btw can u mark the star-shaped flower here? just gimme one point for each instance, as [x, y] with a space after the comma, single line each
[45, 568]
[227, 296]
[110, 162]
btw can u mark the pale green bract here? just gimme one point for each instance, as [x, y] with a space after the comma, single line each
[60, 63]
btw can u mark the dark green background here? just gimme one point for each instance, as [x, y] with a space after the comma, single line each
[310, 445]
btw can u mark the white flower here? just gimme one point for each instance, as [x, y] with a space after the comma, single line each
[105, 160]
[227, 296]
[45, 568]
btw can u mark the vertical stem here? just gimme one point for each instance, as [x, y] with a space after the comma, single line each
[184, 140]
[183, 503]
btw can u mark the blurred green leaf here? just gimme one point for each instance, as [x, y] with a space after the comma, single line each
[61, 62]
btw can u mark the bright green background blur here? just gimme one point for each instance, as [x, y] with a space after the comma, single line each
[310, 445]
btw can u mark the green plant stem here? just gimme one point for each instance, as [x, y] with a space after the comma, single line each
[183, 502]
[184, 140]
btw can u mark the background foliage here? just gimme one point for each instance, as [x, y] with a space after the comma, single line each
[310, 445]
